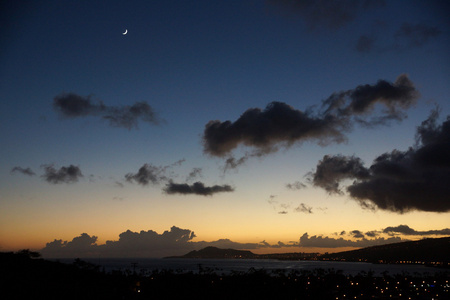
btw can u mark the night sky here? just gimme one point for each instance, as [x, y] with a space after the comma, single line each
[264, 125]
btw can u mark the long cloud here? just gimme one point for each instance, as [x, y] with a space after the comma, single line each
[282, 125]
[406, 230]
[327, 14]
[407, 36]
[197, 188]
[71, 105]
[399, 181]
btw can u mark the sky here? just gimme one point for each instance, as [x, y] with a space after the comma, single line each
[272, 125]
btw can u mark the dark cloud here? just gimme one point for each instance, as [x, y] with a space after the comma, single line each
[327, 14]
[149, 173]
[357, 234]
[232, 162]
[80, 246]
[304, 208]
[296, 185]
[395, 97]
[71, 105]
[399, 181]
[331, 170]
[406, 230]
[130, 244]
[415, 35]
[281, 125]
[198, 188]
[24, 171]
[372, 233]
[68, 174]
[327, 242]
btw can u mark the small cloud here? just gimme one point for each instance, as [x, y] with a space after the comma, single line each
[357, 234]
[195, 173]
[365, 44]
[272, 199]
[304, 208]
[71, 105]
[283, 212]
[24, 171]
[296, 186]
[198, 188]
[372, 233]
[68, 174]
[415, 35]
[118, 184]
[147, 174]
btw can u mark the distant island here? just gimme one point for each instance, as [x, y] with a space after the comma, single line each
[427, 251]
[217, 253]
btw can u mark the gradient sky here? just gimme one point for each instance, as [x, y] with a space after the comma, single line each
[103, 132]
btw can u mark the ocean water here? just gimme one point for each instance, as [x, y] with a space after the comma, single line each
[227, 266]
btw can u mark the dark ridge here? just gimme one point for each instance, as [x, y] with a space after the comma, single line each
[23, 275]
[426, 251]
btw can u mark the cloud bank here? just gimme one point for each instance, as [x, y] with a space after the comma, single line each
[178, 241]
[71, 105]
[399, 181]
[282, 125]
[149, 243]
[68, 174]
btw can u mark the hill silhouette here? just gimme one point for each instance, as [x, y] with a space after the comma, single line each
[23, 275]
[427, 251]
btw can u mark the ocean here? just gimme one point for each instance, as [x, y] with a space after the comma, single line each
[227, 266]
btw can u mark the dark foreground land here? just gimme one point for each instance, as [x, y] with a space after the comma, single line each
[25, 276]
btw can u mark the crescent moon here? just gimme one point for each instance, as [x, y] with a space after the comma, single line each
[126, 31]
